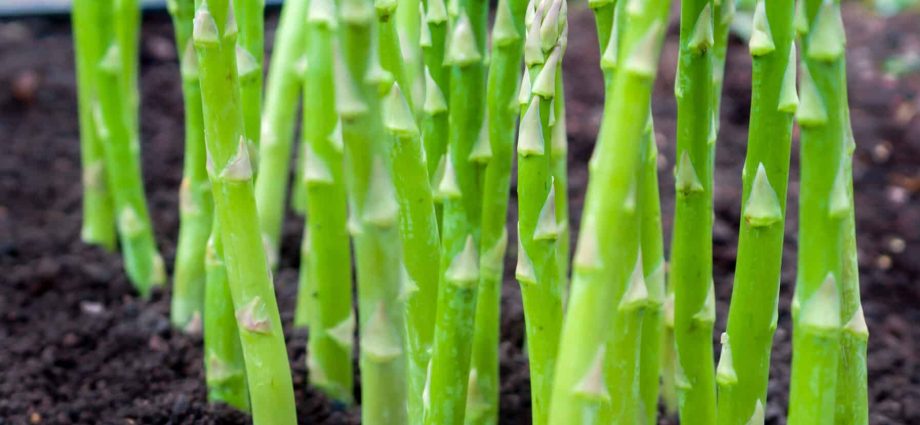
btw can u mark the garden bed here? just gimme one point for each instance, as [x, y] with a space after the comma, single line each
[78, 346]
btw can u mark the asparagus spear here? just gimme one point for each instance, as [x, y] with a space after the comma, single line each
[461, 189]
[653, 269]
[98, 216]
[433, 38]
[417, 219]
[538, 227]
[502, 111]
[371, 197]
[421, 242]
[230, 171]
[113, 123]
[602, 267]
[744, 365]
[691, 272]
[825, 208]
[327, 259]
[195, 202]
[281, 97]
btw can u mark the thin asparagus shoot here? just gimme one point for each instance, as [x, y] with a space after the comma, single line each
[113, 123]
[374, 215]
[653, 268]
[98, 226]
[460, 188]
[281, 97]
[538, 228]
[502, 111]
[195, 201]
[744, 364]
[691, 271]
[326, 261]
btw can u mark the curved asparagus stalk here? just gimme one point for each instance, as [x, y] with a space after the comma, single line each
[744, 365]
[825, 206]
[603, 266]
[502, 111]
[691, 271]
[231, 174]
[374, 219]
[195, 201]
[460, 187]
[224, 364]
[653, 268]
[113, 123]
[538, 228]
[327, 260]
[421, 243]
[281, 97]
[98, 216]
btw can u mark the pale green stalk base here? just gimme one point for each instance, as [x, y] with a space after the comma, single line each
[98, 226]
[267, 368]
[281, 97]
[225, 369]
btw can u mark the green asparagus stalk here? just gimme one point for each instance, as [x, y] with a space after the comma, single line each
[744, 366]
[604, 267]
[113, 124]
[195, 201]
[326, 264]
[224, 364]
[825, 205]
[374, 219]
[653, 268]
[250, 57]
[421, 243]
[559, 155]
[852, 376]
[691, 272]
[98, 216]
[502, 111]
[434, 126]
[127, 26]
[722, 20]
[418, 220]
[281, 97]
[538, 227]
[230, 171]
[409, 29]
[460, 187]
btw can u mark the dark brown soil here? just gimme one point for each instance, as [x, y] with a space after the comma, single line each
[78, 346]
